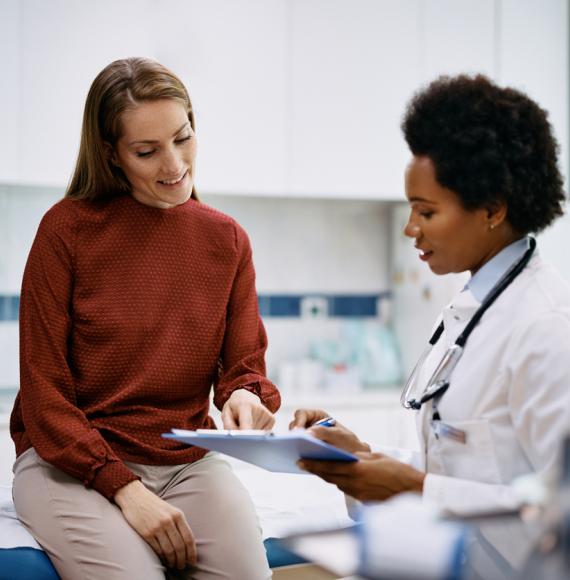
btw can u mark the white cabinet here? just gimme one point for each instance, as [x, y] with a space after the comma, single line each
[233, 58]
[533, 57]
[62, 47]
[292, 97]
[9, 95]
[354, 65]
[460, 37]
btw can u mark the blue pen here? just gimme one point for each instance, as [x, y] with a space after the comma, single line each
[326, 422]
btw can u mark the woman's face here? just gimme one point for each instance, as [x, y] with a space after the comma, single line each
[156, 153]
[449, 237]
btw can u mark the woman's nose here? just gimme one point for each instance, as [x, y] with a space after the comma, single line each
[171, 163]
[412, 230]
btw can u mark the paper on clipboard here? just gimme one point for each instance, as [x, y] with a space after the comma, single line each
[273, 452]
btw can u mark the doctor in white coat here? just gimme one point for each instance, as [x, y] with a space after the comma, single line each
[483, 176]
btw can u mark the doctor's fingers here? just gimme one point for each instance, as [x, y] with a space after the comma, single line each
[361, 491]
[304, 418]
[359, 485]
[322, 468]
[339, 436]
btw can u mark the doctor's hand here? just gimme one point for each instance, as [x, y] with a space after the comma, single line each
[244, 410]
[160, 524]
[374, 477]
[339, 435]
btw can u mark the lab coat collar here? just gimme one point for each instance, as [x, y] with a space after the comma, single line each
[490, 273]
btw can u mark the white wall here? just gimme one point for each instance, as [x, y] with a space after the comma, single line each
[299, 246]
[305, 245]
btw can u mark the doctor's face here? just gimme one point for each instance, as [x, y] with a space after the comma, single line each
[156, 152]
[449, 237]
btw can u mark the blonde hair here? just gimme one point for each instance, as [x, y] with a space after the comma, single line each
[120, 86]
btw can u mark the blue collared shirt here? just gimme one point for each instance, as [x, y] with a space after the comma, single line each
[490, 273]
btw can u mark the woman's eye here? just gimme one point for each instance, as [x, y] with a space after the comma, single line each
[183, 139]
[426, 214]
[144, 153]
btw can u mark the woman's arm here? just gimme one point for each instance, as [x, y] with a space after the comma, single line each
[242, 360]
[47, 416]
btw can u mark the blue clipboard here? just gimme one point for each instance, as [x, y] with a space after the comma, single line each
[273, 452]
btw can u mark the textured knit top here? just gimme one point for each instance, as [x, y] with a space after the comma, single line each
[129, 314]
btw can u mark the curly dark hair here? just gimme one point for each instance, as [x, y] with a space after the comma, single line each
[488, 144]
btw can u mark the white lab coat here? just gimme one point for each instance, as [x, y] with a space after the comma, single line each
[510, 393]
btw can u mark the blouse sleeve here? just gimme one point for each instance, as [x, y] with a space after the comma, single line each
[242, 361]
[54, 424]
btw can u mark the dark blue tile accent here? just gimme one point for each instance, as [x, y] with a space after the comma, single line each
[263, 302]
[14, 307]
[287, 305]
[9, 307]
[353, 305]
[339, 305]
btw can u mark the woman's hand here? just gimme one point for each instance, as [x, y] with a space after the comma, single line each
[373, 477]
[163, 526]
[339, 435]
[244, 410]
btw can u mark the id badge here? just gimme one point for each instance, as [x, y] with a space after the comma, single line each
[442, 429]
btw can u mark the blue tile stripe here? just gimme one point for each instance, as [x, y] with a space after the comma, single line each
[338, 305]
[9, 307]
[270, 305]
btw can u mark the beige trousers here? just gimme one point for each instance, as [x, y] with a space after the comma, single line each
[87, 537]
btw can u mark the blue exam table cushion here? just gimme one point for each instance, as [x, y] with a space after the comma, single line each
[32, 564]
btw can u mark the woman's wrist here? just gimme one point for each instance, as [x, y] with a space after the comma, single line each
[128, 492]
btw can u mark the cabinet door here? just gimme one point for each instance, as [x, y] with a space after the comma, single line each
[63, 46]
[232, 57]
[460, 37]
[534, 58]
[533, 54]
[355, 63]
[9, 95]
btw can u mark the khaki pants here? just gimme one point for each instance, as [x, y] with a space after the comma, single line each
[87, 537]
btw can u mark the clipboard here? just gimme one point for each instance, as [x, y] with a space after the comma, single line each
[266, 449]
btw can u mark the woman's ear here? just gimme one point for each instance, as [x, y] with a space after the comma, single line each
[111, 155]
[496, 214]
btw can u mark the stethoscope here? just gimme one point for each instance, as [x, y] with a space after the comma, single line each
[440, 379]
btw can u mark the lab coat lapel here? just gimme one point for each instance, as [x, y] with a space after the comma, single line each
[457, 314]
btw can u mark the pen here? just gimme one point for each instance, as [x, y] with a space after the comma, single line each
[326, 422]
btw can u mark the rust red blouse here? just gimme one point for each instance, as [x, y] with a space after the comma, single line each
[129, 314]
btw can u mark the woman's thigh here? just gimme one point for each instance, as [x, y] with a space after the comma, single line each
[221, 514]
[84, 534]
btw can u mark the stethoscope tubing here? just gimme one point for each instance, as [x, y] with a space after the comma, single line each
[441, 386]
